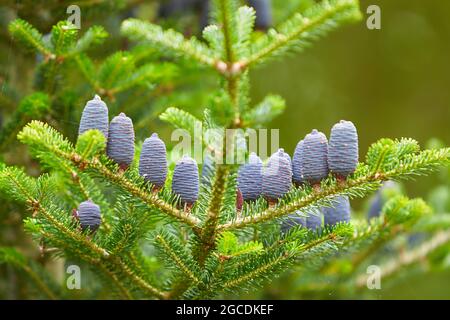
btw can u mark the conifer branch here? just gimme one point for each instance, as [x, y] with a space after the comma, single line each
[209, 230]
[415, 164]
[408, 258]
[167, 248]
[169, 40]
[14, 258]
[300, 30]
[43, 139]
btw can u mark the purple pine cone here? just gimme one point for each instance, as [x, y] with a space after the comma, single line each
[94, 116]
[297, 175]
[121, 140]
[250, 178]
[339, 212]
[208, 169]
[153, 161]
[185, 181]
[263, 9]
[204, 13]
[343, 148]
[291, 221]
[376, 205]
[277, 176]
[89, 215]
[314, 158]
[313, 221]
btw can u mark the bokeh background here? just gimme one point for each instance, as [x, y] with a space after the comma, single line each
[392, 82]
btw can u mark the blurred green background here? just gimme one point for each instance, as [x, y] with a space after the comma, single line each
[392, 82]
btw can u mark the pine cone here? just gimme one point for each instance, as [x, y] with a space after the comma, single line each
[339, 212]
[94, 116]
[250, 178]
[277, 176]
[121, 140]
[263, 9]
[312, 221]
[297, 175]
[153, 161]
[314, 158]
[185, 181]
[343, 148]
[208, 169]
[89, 215]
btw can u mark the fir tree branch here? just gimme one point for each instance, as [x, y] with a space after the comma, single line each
[408, 258]
[413, 165]
[179, 261]
[45, 139]
[14, 258]
[29, 36]
[169, 40]
[300, 30]
[209, 230]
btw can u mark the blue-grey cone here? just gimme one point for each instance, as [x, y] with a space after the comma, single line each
[207, 169]
[263, 9]
[297, 175]
[94, 116]
[89, 215]
[250, 178]
[277, 176]
[204, 13]
[378, 201]
[338, 212]
[121, 140]
[314, 158]
[343, 148]
[376, 205]
[185, 181]
[291, 221]
[153, 161]
[312, 221]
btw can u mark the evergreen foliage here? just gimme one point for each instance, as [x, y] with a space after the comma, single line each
[149, 245]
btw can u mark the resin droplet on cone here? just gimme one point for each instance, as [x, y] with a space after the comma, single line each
[185, 181]
[89, 215]
[250, 178]
[153, 161]
[277, 176]
[314, 158]
[120, 146]
[343, 148]
[94, 116]
[338, 212]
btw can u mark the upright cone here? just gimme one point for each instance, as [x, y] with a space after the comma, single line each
[250, 178]
[121, 140]
[338, 212]
[153, 161]
[94, 116]
[314, 158]
[185, 181]
[89, 215]
[277, 176]
[343, 148]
